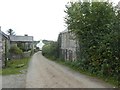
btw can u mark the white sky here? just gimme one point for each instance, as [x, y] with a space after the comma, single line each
[43, 19]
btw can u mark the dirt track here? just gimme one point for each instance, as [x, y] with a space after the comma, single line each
[13, 81]
[43, 73]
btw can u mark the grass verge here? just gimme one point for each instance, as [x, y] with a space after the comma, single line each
[15, 66]
[69, 64]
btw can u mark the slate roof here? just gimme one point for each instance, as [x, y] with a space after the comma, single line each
[5, 35]
[21, 38]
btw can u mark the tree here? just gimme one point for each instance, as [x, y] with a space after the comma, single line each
[50, 50]
[10, 32]
[15, 50]
[96, 26]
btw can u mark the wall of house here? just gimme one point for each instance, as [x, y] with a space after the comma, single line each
[68, 46]
[0, 49]
[3, 51]
[5, 47]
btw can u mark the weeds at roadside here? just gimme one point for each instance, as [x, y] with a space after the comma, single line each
[15, 66]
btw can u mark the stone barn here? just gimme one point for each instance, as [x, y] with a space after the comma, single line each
[67, 45]
[26, 41]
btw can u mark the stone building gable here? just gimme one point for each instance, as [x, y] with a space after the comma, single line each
[0, 49]
[67, 45]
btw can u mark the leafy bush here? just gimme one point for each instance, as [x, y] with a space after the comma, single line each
[23, 46]
[15, 50]
[50, 50]
[96, 26]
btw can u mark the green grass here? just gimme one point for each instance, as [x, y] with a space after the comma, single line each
[109, 80]
[12, 66]
[0, 71]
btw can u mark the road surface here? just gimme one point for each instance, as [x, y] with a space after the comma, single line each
[14, 81]
[43, 73]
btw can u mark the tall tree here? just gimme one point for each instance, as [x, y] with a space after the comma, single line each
[10, 32]
[96, 26]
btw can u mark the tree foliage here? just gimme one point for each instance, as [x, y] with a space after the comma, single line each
[15, 50]
[50, 50]
[96, 26]
[10, 32]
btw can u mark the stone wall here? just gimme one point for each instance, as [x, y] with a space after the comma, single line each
[27, 54]
[24, 55]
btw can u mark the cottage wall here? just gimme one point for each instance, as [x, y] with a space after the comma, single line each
[0, 49]
[68, 46]
[4, 47]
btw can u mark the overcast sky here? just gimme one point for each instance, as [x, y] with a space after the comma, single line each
[43, 19]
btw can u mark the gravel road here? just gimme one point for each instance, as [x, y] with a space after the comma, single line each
[43, 73]
[0, 82]
[14, 81]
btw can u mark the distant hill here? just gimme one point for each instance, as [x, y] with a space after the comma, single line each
[47, 41]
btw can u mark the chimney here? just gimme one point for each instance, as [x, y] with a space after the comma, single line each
[26, 35]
